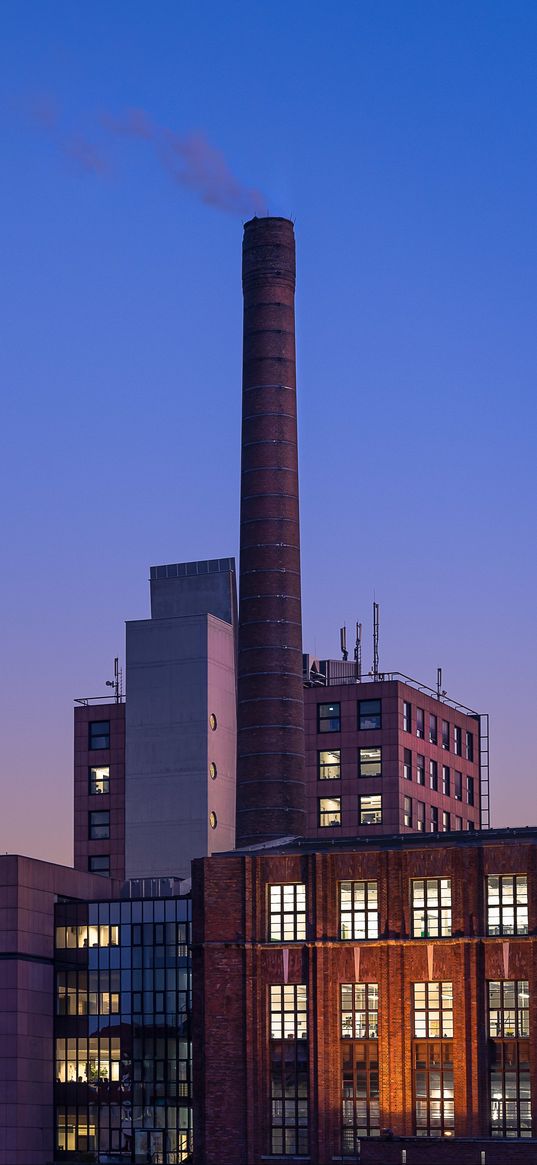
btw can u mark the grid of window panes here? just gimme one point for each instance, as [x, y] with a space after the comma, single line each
[329, 811]
[329, 764]
[287, 912]
[359, 910]
[359, 1064]
[328, 717]
[507, 904]
[369, 762]
[122, 1030]
[433, 1059]
[509, 1003]
[431, 907]
[433, 1010]
[288, 1070]
[433, 1088]
[510, 1088]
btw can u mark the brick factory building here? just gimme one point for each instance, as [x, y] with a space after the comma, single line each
[381, 984]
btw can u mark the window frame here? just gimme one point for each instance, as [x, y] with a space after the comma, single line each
[436, 911]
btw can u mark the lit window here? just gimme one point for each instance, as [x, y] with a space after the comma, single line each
[407, 764]
[289, 1070]
[433, 728]
[510, 1088]
[457, 740]
[407, 716]
[99, 734]
[370, 762]
[360, 1068]
[407, 815]
[446, 780]
[213, 722]
[445, 733]
[507, 904]
[287, 911]
[420, 817]
[359, 917]
[329, 765]
[359, 1011]
[420, 769]
[469, 746]
[369, 714]
[328, 717]
[99, 780]
[329, 811]
[420, 723]
[213, 820]
[433, 1011]
[213, 771]
[99, 864]
[431, 907]
[370, 809]
[509, 1014]
[99, 824]
[433, 775]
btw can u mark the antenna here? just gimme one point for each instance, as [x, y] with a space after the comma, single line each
[117, 682]
[358, 651]
[438, 682]
[343, 643]
[376, 620]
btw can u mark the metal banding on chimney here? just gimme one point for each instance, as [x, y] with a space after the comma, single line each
[270, 760]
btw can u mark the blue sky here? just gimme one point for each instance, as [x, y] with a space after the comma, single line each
[402, 139]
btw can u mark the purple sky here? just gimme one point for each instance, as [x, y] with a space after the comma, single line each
[402, 138]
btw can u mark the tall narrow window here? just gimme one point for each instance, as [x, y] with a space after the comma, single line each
[507, 904]
[457, 792]
[407, 716]
[431, 907]
[470, 790]
[420, 769]
[359, 912]
[509, 1067]
[359, 1061]
[420, 817]
[434, 819]
[407, 812]
[446, 821]
[433, 728]
[328, 717]
[287, 912]
[433, 775]
[469, 746]
[407, 764]
[289, 1070]
[457, 740]
[445, 733]
[433, 1059]
[420, 723]
[329, 764]
[446, 780]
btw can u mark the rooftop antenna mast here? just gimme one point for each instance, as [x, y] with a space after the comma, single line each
[343, 643]
[440, 691]
[117, 682]
[358, 651]
[376, 612]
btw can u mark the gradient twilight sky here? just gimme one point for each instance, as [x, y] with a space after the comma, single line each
[402, 137]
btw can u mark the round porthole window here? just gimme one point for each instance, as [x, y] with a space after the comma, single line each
[213, 722]
[213, 820]
[213, 771]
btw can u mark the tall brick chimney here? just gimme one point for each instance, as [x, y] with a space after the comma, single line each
[270, 761]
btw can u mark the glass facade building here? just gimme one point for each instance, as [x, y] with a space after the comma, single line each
[123, 1073]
